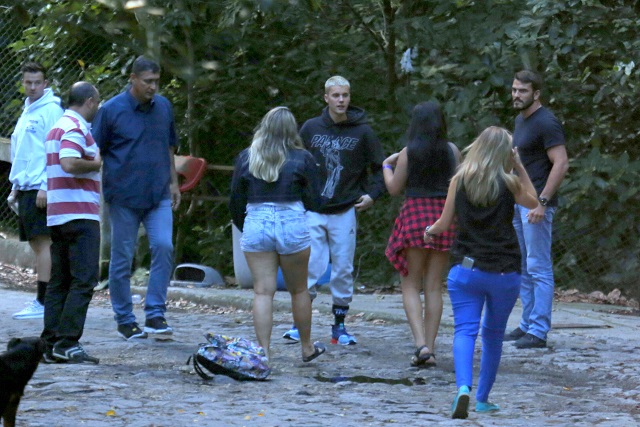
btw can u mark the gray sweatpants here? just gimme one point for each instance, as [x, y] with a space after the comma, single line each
[333, 237]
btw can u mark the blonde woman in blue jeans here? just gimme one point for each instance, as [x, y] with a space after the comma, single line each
[485, 256]
[275, 180]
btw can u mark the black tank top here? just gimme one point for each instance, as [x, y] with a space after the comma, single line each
[427, 176]
[486, 234]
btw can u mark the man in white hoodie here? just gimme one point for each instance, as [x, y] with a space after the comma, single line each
[28, 175]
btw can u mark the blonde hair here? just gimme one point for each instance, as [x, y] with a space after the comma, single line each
[488, 160]
[276, 134]
[336, 81]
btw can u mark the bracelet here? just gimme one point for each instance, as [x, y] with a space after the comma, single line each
[426, 231]
[387, 167]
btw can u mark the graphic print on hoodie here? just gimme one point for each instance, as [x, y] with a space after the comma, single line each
[349, 155]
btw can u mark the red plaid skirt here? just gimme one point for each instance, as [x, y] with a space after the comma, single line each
[408, 231]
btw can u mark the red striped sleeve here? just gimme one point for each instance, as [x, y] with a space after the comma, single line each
[71, 183]
[53, 159]
[69, 208]
[55, 134]
[65, 143]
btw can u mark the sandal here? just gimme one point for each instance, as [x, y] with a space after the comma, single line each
[422, 360]
[319, 348]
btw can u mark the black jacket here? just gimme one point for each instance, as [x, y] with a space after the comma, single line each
[298, 181]
[350, 158]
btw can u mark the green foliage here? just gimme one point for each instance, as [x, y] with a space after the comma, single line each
[225, 63]
[601, 213]
[77, 41]
[214, 247]
[372, 267]
[10, 81]
[584, 49]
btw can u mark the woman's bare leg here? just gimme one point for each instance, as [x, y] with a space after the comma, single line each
[411, 286]
[264, 269]
[294, 270]
[436, 263]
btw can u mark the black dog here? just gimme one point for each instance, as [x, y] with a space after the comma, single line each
[17, 366]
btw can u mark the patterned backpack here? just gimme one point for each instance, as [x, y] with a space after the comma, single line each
[235, 357]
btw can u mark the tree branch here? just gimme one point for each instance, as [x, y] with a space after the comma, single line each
[378, 40]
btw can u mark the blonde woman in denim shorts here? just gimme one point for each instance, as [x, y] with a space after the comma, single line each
[274, 182]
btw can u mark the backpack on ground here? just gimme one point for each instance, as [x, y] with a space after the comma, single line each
[235, 357]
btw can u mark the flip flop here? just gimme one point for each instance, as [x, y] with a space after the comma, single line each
[319, 348]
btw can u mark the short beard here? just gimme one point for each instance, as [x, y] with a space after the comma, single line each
[525, 105]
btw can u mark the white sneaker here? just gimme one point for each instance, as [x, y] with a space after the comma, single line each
[102, 285]
[33, 310]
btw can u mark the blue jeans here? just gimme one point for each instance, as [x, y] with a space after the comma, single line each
[158, 222]
[470, 290]
[536, 291]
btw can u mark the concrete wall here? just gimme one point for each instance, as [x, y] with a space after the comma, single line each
[5, 150]
[13, 251]
[17, 253]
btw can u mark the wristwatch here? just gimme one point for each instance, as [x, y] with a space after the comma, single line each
[543, 201]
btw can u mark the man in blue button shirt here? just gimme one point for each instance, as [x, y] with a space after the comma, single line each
[135, 131]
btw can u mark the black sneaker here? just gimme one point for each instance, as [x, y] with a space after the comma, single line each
[514, 335]
[49, 358]
[75, 354]
[530, 341]
[157, 325]
[131, 331]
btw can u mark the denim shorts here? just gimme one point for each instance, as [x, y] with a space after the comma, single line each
[274, 228]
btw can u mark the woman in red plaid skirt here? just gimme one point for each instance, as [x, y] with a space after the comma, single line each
[423, 170]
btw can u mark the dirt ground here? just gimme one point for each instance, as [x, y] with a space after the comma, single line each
[587, 376]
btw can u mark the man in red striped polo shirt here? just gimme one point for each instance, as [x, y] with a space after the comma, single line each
[73, 215]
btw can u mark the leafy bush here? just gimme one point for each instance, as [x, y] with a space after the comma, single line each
[226, 63]
[597, 239]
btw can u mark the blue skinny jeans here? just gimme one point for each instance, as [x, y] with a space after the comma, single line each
[470, 290]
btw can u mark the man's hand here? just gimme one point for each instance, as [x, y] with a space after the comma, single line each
[536, 215]
[98, 158]
[363, 203]
[175, 196]
[41, 199]
[12, 200]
